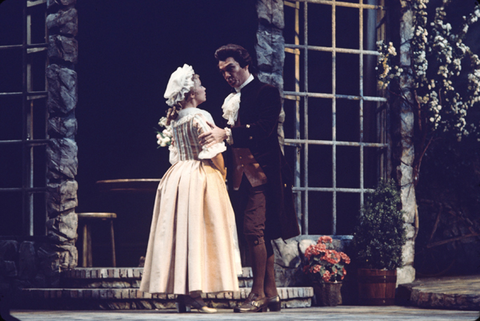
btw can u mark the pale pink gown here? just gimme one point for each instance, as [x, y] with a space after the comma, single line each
[193, 242]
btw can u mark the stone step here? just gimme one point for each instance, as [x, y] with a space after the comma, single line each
[117, 289]
[127, 277]
[131, 298]
[448, 292]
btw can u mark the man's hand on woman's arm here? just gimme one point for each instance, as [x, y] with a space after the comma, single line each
[216, 135]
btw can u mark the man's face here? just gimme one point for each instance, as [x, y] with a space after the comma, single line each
[232, 72]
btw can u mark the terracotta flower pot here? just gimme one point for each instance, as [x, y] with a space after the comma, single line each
[328, 294]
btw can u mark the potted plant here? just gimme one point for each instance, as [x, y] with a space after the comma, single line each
[377, 241]
[326, 268]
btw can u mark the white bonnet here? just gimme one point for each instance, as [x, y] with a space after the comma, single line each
[179, 84]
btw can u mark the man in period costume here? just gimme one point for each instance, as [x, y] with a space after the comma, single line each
[258, 175]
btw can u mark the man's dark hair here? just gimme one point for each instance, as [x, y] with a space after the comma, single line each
[237, 52]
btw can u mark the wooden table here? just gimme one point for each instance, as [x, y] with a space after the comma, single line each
[129, 185]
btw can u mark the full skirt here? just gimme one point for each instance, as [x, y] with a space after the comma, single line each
[193, 243]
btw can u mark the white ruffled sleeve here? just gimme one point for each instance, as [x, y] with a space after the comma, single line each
[173, 155]
[212, 151]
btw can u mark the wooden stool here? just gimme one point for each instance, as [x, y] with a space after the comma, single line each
[87, 238]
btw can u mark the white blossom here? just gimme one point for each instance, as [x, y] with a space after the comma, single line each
[437, 54]
[162, 122]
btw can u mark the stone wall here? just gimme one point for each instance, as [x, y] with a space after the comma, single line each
[26, 263]
[405, 154]
[62, 24]
[270, 49]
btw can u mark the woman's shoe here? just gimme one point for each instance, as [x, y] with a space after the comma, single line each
[185, 302]
[274, 303]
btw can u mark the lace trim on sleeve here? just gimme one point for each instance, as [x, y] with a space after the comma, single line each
[212, 151]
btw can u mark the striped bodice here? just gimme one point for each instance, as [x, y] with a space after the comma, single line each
[185, 133]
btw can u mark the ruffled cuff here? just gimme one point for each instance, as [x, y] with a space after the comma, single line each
[173, 155]
[212, 151]
[229, 139]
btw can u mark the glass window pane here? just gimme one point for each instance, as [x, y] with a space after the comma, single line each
[290, 73]
[40, 217]
[369, 75]
[348, 122]
[370, 122]
[11, 168]
[320, 166]
[348, 166]
[319, 71]
[347, 77]
[38, 70]
[39, 118]
[11, 117]
[39, 167]
[371, 165]
[11, 70]
[347, 32]
[320, 25]
[348, 206]
[290, 124]
[319, 119]
[320, 213]
[289, 18]
[11, 19]
[38, 23]
[11, 205]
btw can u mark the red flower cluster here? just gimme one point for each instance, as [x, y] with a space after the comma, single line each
[323, 263]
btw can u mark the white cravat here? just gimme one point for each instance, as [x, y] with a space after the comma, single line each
[231, 104]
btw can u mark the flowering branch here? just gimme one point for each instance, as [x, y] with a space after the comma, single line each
[443, 75]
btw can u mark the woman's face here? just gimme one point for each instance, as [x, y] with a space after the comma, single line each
[200, 91]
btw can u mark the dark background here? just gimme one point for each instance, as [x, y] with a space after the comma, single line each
[126, 55]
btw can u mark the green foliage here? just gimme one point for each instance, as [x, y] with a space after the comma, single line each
[380, 232]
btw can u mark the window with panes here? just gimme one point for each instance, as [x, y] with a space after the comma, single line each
[23, 118]
[336, 129]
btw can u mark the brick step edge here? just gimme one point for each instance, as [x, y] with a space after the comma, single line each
[121, 273]
[125, 299]
[285, 293]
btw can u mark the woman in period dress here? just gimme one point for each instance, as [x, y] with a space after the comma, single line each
[192, 247]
